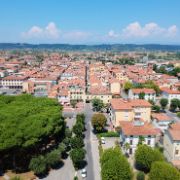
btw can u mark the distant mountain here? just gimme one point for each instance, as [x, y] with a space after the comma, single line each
[100, 47]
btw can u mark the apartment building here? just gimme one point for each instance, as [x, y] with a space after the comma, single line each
[129, 110]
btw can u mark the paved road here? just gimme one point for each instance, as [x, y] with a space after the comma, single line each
[91, 145]
[173, 116]
[64, 173]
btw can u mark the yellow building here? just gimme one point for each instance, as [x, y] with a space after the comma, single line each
[122, 110]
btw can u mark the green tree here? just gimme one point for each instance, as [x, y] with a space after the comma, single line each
[38, 165]
[164, 103]
[77, 156]
[174, 104]
[141, 95]
[97, 104]
[27, 125]
[78, 129]
[98, 121]
[140, 175]
[178, 114]
[141, 140]
[163, 170]
[145, 156]
[114, 165]
[127, 86]
[77, 142]
[156, 108]
[53, 158]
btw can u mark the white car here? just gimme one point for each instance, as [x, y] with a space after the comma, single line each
[103, 140]
[83, 173]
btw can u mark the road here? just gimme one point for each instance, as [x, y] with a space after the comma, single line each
[173, 116]
[91, 145]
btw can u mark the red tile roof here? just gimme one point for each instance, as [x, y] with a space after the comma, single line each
[129, 128]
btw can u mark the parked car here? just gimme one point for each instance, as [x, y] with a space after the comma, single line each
[103, 140]
[83, 173]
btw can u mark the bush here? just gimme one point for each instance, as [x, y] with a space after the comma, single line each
[156, 108]
[163, 170]
[98, 121]
[140, 176]
[108, 134]
[15, 178]
[145, 156]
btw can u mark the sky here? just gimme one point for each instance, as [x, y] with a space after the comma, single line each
[90, 21]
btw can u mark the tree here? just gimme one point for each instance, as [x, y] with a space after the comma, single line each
[114, 165]
[53, 158]
[141, 95]
[141, 140]
[164, 103]
[145, 156]
[77, 155]
[38, 165]
[128, 85]
[98, 121]
[77, 142]
[178, 114]
[27, 125]
[174, 104]
[156, 108]
[78, 129]
[140, 175]
[163, 170]
[97, 104]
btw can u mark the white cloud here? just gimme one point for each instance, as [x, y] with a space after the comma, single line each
[136, 30]
[112, 34]
[50, 31]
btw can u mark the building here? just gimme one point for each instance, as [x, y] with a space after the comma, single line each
[172, 144]
[161, 121]
[149, 94]
[134, 132]
[129, 110]
[170, 94]
[13, 82]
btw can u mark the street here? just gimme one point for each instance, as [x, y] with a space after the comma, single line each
[91, 145]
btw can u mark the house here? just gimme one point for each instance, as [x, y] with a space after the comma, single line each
[134, 132]
[172, 144]
[129, 110]
[149, 94]
[161, 121]
[170, 94]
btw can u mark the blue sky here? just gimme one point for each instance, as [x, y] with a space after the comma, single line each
[90, 21]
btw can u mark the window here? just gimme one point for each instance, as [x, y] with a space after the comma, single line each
[131, 142]
[149, 142]
[176, 152]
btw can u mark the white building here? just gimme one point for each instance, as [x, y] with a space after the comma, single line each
[161, 121]
[131, 132]
[170, 94]
[149, 94]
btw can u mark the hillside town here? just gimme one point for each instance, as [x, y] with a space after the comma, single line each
[138, 101]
